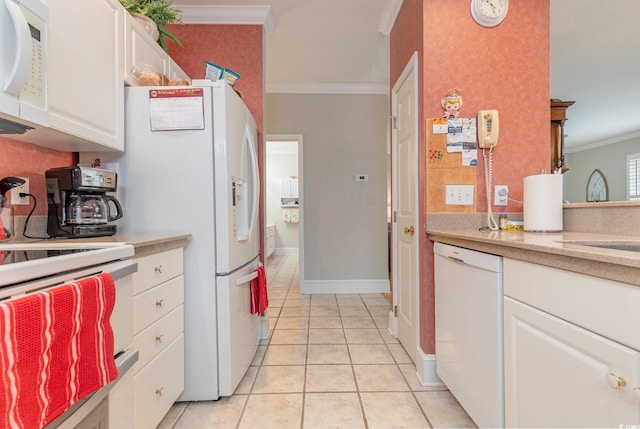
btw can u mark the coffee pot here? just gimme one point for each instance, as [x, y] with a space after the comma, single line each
[78, 202]
[87, 209]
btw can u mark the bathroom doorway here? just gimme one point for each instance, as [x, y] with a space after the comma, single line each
[284, 206]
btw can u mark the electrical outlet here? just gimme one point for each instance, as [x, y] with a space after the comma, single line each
[459, 195]
[501, 195]
[16, 200]
[53, 191]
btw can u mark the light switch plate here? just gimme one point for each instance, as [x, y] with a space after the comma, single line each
[459, 195]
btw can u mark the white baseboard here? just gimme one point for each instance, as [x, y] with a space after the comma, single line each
[344, 286]
[427, 371]
[286, 250]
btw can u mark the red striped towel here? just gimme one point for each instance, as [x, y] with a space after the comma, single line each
[259, 298]
[56, 348]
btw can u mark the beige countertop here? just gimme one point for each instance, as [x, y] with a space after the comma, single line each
[144, 244]
[554, 250]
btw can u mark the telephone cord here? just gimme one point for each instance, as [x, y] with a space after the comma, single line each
[488, 174]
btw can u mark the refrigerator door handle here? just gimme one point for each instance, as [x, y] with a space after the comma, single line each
[256, 181]
[246, 279]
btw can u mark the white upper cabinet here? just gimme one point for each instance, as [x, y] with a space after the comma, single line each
[93, 46]
[86, 94]
[142, 51]
[289, 188]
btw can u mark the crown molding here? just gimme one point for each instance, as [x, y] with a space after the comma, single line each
[388, 18]
[613, 140]
[221, 14]
[327, 88]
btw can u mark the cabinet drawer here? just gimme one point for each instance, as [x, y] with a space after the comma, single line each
[603, 306]
[158, 336]
[157, 268]
[151, 305]
[158, 385]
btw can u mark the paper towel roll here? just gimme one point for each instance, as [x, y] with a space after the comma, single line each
[543, 203]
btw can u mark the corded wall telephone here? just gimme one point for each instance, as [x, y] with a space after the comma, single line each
[488, 128]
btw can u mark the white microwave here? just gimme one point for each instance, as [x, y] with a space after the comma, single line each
[23, 65]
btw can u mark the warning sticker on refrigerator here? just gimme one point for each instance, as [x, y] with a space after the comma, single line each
[176, 109]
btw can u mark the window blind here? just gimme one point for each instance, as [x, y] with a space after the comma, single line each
[633, 176]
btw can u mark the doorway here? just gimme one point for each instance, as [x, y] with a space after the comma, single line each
[284, 208]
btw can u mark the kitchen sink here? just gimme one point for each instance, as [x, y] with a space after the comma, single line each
[629, 246]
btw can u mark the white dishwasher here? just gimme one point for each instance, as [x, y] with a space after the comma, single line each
[469, 335]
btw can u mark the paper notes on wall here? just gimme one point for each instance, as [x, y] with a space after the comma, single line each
[461, 137]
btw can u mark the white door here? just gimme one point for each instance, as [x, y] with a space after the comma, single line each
[560, 375]
[405, 207]
[237, 181]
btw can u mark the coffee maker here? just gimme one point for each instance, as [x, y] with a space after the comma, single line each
[78, 204]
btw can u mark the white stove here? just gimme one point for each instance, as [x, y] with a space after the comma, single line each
[30, 267]
[22, 262]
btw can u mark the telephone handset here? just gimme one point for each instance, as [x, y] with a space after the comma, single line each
[488, 128]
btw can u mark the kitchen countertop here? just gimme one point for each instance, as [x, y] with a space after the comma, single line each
[144, 244]
[551, 249]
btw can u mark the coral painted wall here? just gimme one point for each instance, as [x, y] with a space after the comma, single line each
[27, 160]
[237, 47]
[504, 68]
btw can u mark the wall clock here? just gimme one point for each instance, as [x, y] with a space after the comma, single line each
[489, 13]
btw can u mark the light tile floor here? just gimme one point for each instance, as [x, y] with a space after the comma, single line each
[330, 362]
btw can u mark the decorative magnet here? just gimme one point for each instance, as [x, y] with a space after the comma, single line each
[435, 154]
[451, 103]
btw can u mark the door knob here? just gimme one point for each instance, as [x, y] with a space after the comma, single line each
[409, 231]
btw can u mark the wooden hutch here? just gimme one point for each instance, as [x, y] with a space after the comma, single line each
[558, 118]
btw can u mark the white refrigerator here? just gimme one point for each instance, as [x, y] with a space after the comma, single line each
[190, 166]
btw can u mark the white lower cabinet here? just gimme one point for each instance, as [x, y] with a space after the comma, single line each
[157, 385]
[559, 374]
[271, 240]
[158, 326]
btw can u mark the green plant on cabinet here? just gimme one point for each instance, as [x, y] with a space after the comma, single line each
[161, 12]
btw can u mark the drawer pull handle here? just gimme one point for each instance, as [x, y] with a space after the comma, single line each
[160, 303]
[160, 391]
[615, 382]
[158, 269]
[159, 338]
